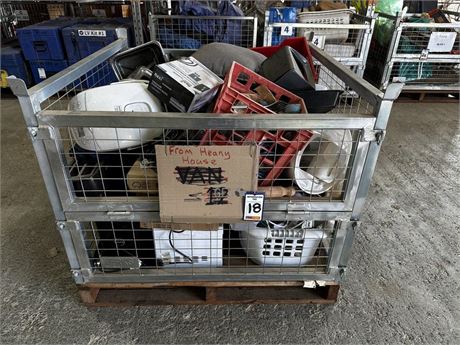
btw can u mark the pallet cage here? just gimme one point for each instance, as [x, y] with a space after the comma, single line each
[424, 55]
[343, 34]
[100, 172]
[187, 26]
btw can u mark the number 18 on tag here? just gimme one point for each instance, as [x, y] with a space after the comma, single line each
[253, 206]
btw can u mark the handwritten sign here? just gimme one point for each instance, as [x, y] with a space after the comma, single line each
[205, 183]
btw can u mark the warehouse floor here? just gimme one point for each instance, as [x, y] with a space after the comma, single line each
[402, 284]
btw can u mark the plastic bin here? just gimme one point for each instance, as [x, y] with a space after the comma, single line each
[272, 244]
[338, 17]
[43, 41]
[298, 43]
[81, 40]
[12, 63]
[43, 69]
[281, 15]
[240, 80]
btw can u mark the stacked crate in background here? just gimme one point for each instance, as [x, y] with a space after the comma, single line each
[51, 46]
[43, 47]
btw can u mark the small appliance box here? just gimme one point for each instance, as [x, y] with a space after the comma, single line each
[205, 184]
[185, 84]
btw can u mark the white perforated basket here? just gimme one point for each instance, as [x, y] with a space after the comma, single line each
[279, 245]
[322, 18]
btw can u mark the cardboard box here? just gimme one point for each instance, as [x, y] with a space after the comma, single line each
[142, 179]
[205, 184]
[185, 84]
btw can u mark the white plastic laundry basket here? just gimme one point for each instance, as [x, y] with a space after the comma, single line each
[126, 97]
[189, 248]
[279, 244]
[339, 17]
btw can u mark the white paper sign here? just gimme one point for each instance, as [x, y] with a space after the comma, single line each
[96, 33]
[41, 73]
[441, 42]
[319, 41]
[287, 30]
[253, 206]
[21, 15]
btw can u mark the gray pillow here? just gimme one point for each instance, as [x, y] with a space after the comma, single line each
[218, 57]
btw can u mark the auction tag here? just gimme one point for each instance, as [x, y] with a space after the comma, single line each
[424, 54]
[319, 40]
[253, 206]
[287, 30]
[41, 73]
[441, 42]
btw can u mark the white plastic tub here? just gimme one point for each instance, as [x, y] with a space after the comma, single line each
[126, 97]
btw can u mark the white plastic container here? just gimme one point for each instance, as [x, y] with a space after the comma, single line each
[126, 96]
[338, 17]
[279, 245]
[317, 169]
[189, 248]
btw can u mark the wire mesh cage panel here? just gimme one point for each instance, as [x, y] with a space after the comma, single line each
[99, 154]
[422, 52]
[140, 251]
[344, 35]
[189, 25]
[313, 167]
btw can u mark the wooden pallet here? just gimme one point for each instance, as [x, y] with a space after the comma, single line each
[107, 295]
[428, 97]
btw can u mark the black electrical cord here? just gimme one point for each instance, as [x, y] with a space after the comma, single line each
[177, 250]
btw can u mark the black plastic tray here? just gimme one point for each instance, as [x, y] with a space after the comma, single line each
[147, 55]
[319, 101]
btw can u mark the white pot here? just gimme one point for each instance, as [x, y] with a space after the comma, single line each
[316, 171]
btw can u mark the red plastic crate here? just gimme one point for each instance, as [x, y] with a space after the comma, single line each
[276, 149]
[298, 43]
[233, 91]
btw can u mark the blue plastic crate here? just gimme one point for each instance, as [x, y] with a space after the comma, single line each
[43, 41]
[12, 62]
[43, 69]
[98, 76]
[83, 39]
[281, 15]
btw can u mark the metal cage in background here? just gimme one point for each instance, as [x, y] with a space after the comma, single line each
[404, 49]
[181, 26]
[108, 216]
[343, 34]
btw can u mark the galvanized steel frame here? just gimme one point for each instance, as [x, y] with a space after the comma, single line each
[40, 124]
[394, 57]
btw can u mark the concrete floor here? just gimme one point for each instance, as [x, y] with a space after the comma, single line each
[402, 284]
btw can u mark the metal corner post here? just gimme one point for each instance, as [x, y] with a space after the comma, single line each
[30, 108]
[382, 115]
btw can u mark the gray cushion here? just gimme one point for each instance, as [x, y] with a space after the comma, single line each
[218, 57]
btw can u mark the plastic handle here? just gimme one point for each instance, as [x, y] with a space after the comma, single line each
[40, 46]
